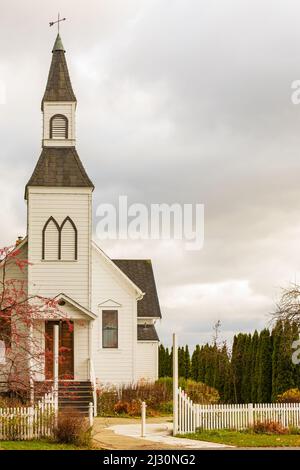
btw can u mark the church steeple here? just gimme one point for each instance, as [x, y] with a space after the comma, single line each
[59, 87]
[59, 164]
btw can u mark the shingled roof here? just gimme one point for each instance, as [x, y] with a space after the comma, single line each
[147, 333]
[59, 167]
[141, 273]
[59, 87]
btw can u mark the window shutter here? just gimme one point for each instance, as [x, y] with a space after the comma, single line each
[59, 127]
[68, 242]
[51, 242]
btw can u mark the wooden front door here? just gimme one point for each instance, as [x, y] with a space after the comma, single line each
[66, 350]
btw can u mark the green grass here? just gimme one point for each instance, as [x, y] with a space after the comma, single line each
[42, 444]
[246, 438]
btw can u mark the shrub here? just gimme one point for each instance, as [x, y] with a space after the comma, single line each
[290, 396]
[158, 397]
[294, 430]
[10, 402]
[72, 428]
[269, 427]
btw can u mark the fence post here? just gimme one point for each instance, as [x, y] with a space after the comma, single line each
[55, 367]
[91, 414]
[143, 427]
[175, 385]
[250, 415]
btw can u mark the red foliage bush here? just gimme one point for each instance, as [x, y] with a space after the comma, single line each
[269, 427]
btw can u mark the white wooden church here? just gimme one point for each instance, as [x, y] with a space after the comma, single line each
[112, 303]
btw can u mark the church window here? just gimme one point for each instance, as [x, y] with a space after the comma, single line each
[58, 127]
[68, 240]
[51, 237]
[59, 241]
[109, 328]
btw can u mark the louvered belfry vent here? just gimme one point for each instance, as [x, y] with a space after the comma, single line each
[59, 127]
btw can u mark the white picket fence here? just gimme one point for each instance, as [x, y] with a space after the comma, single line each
[192, 416]
[28, 422]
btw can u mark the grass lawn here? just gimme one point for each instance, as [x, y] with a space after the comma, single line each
[42, 444]
[246, 439]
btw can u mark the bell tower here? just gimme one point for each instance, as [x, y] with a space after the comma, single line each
[59, 197]
[59, 102]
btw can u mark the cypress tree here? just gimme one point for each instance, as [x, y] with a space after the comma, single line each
[162, 361]
[246, 378]
[187, 360]
[264, 391]
[254, 366]
[195, 363]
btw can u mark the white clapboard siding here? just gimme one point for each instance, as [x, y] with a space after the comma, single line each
[68, 276]
[51, 241]
[147, 361]
[192, 416]
[68, 240]
[28, 422]
[113, 366]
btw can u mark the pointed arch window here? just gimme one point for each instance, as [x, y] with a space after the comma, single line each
[68, 240]
[60, 242]
[59, 127]
[51, 232]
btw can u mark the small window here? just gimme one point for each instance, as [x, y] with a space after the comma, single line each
[58, 127]
[109, 328]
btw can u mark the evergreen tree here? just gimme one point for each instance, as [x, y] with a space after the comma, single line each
[187, 360]
[195, 363]
[181, 362]
[254, 366]
[246, 378]
[264, 391]
[162, 361]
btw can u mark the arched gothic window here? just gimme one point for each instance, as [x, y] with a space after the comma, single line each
[68, 240]
[60, 242]
[51, 232]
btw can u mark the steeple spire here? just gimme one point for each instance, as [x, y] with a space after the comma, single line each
[58, 45]
[59, 87]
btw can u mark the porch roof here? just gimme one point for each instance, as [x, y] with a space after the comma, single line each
[76, 305]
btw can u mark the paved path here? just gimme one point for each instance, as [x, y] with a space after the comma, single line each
[124, 433]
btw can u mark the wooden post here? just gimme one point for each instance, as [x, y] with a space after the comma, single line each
[250, 414]
[175, 385]
[55, 367]
[91, 414]
[143, 427]
[31, 381]
[90, 335]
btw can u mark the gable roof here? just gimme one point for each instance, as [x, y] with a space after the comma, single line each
[60, 167]
[75, 304]
[141, 273]
[59, 87]
[147, 333]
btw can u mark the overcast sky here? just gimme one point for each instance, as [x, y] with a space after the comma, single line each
[183, 101]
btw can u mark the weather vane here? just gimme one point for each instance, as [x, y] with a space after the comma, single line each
[58, 21]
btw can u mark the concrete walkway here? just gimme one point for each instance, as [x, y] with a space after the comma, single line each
[124, 433]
